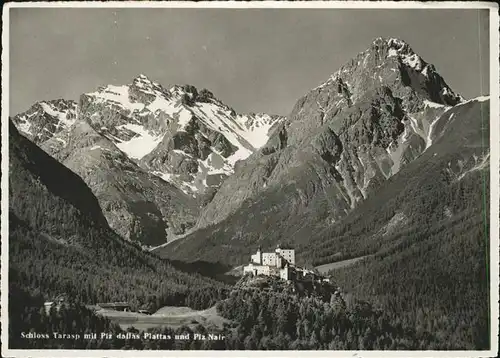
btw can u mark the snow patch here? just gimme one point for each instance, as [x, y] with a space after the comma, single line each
[431, 104]
[141, 144]
[240, 154]
[25, 127]
[406, 135]
[424, 71]
[480, 166]
[392, 53]
[61, 140]
[181, 152]
[235, 132]
[413, 61]
[414, 124]
[215, 164]
[428, 142]
[118, 95]
[184, 118]
[476, 99]
[62, 116]
[160, 103]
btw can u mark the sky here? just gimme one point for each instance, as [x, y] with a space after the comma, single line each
[254, 60]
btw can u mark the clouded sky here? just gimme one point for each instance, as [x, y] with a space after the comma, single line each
[258, 60]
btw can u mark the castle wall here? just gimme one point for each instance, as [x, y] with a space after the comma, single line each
[256, 258]
[288, 255]
[269, 258]
[271, 263]
[257, 269]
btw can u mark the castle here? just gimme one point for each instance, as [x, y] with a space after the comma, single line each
[278, 263]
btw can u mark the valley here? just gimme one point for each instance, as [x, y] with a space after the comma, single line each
[378, 178]
[338, 264]
[168, 316]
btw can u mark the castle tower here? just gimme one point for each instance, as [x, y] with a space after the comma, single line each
[257, 258]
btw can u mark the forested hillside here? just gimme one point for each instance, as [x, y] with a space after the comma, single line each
[59, 241]
[260, 318]
[425, 232]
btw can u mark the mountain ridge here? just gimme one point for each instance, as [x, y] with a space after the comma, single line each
[60, 242]
[179, 139]
[377, 103]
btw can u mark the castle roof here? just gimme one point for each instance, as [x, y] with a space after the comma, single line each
[285, 248]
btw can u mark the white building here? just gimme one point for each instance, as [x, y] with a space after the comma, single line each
[257, 269]
[287, 254]
[286, 273]
[271, 263]
[278, 258]
[48, 306]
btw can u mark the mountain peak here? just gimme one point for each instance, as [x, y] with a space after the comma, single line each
[397, 48]
[45, 118]
[145, 80]
[393, 43]
[390, 62]
[145, 84]
[143, 77]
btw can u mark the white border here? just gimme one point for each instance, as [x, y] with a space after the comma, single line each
[266, 4]
[494, 177]
[494, 173]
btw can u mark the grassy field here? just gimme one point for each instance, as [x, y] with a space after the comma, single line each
[165, 316]
[237, 271]
[336, 265]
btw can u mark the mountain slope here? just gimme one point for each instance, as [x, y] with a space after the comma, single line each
[186, 137]
[59, 241]
[423, 235]
[429, 241]
[293, 191]
[151, 155]
[45, 119]
[370, 118]
[138, 205]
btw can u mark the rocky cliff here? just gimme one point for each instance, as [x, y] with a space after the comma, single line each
[152, 155]
[346, 136]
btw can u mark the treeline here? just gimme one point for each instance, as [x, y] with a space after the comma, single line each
[430, 271]
[440, 285]
[274, 320]
[264, 320]
[27, 315]
[421, 203]
[47, 267]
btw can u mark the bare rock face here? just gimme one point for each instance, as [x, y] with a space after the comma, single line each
[137, 205]
[35, 188]
[438, 185]
[151, 155]
[45, 119]
[346, 136]
[184, 136]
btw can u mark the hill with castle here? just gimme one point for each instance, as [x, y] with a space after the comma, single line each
[133, 193]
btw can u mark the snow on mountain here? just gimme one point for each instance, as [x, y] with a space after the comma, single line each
[45, 119]
[185, 136]
[370, 118]
[181, 134]
[393, 63]
[140, 144]
[477, 99]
